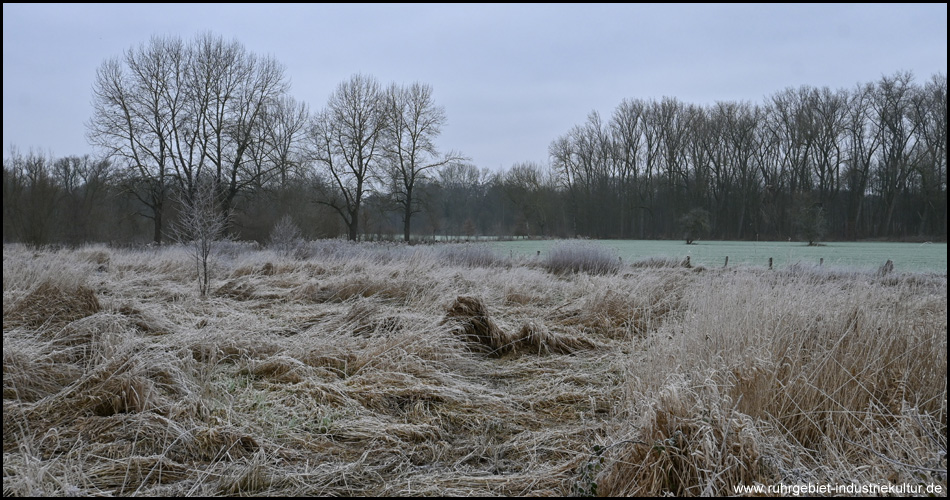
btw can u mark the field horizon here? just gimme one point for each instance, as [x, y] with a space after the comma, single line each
[332, 368]
[843, 255]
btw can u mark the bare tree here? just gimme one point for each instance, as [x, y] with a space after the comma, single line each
[30, 196]
[414, 122]
[237, 89]
[529, 188]
[742, 122]
[278, 151]
[930, 112]
[581, 164]
[894, 122]
[346, 144]
[169, 111]
[84, 184]
[626, 126]
[564, 162]
[462, 189]
[830, 110]
[137, 100]
[200, 225]
[792, 121]
[862, 146]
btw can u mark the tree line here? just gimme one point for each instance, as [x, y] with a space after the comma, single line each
[871, 160]
[171, 116]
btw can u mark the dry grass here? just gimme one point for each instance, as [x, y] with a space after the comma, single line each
[382, 370]
[52, 304]
[471, 322]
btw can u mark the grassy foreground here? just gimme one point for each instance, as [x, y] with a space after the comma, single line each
[393, 370]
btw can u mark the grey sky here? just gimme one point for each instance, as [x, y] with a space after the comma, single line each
[511, 77]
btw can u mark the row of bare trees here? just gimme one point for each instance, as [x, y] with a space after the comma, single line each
[73, 200]
[371, 139]
[172, 116]
[172, 112]
[67, 200]
[873, 158]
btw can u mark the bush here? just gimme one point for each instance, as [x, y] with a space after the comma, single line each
[574, 257]
[695, 224]
[285, 237]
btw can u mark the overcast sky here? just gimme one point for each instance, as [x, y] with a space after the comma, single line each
[512, 78]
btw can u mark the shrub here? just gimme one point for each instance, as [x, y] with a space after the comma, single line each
[695, 224]
[574, 257]
[285, 237]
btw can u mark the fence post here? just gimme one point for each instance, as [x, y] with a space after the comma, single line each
[727, 262]
[770, 263]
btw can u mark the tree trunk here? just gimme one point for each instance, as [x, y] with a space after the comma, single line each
[405, 221]
[408, 214]
[354, 224]
[157, 220]
[889, 215]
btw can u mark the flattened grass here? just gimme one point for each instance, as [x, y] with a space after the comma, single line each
[392, 370]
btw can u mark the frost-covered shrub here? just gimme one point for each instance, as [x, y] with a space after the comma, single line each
[574, 257]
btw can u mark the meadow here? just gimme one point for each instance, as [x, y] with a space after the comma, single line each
[366, 369]
[863, 255]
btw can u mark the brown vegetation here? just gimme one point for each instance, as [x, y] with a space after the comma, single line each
[51, 303]
[393, 372]
[479, 332]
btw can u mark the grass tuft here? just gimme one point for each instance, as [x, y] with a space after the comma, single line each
[52, 304]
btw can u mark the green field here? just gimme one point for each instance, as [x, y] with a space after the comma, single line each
[910, 257]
